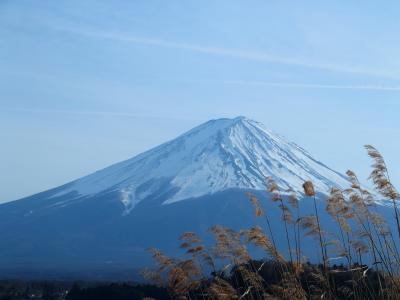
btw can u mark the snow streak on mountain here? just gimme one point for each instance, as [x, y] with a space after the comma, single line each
[213, 157]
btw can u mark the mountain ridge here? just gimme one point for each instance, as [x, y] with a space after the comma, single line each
[217, 155]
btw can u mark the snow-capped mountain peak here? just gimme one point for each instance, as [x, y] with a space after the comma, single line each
[215, 156]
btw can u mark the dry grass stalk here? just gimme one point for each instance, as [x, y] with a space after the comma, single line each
[228, 245]
[256, 237]
[372, 227]
[164, 262]
[250, 278]
[294, 203]
[292, 198]
[338, 208]
[180, 276]
[309, 225]
[194, 247]
[380, 174]
[258, 211]
[287, 218]
[273, 188]
[381, 180]
[222, 290]
[289, 289]
[308, 187]
[179, 281]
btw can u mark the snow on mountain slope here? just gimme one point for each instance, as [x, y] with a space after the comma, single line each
[215, 156]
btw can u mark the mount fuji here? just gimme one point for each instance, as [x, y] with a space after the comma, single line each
[213, 157]
[102, 223]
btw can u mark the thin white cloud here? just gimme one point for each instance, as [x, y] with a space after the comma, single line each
[315, 86]
[234, 53]
[92, 113]
[72, 112]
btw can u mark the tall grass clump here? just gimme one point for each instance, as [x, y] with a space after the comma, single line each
[360, 237]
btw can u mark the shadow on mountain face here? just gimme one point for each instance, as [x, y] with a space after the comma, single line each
[78, 241]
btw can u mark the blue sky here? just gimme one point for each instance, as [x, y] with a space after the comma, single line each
[84, 84]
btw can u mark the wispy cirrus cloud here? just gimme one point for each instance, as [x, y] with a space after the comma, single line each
[73, 112]
[91, 113]
[234, 53]
[314, 86]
